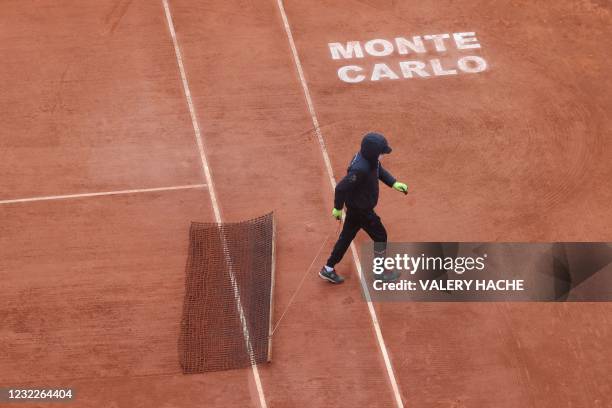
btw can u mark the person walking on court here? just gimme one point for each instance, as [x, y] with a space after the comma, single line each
[358, 190]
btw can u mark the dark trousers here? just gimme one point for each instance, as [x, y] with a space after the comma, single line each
[355, 220]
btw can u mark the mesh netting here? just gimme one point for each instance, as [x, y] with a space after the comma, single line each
[228, 292]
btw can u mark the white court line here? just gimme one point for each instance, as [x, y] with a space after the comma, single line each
[213, 198]
[103, 193]
[330, 173]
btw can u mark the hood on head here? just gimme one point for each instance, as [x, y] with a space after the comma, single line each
[373, 145]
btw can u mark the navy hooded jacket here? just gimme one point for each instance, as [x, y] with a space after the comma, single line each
[359, 188]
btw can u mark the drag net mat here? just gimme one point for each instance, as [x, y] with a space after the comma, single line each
[228, 286]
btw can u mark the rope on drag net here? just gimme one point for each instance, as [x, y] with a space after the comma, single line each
[299, 287]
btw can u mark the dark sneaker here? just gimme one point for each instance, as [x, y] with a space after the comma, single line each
[388, 276]
[331, 276]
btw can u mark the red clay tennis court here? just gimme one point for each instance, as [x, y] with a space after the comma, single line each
[125, 120]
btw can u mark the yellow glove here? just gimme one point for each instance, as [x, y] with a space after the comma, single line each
[337, 214]
[401, 187]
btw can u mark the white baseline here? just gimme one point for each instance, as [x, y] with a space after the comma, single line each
[100, 194]
[213, 197]
[330, 173]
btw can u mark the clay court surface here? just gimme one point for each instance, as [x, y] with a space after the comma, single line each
[92, 101]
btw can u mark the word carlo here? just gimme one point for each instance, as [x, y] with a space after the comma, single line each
[439, 43]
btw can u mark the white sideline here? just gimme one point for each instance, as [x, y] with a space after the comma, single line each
[103, 193]
[213, 197]
[330, 173]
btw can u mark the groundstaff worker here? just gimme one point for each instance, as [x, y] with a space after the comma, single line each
[359, 191]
